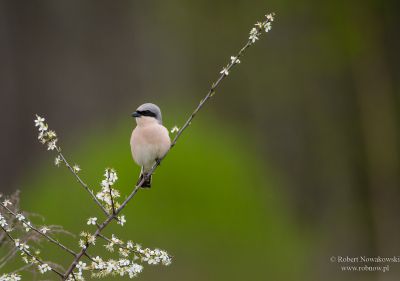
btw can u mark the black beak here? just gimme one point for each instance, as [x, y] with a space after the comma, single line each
[136, 114]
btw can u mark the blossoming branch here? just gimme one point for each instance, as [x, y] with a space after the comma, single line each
[129, 257]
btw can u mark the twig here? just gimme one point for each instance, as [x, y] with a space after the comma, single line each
[84, 185]
[52, 240]
[30, 255]
[112, 200]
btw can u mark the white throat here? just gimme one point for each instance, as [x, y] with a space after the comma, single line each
[146, 120]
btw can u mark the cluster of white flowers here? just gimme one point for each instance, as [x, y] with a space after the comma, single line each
[46, 136]
[113, 241]
[87, 239]
[10, 277]
[155, 256]
[81, 266]
[150, 256]
[108, 193]
[122, 267]
[255, 32]
[102, 268]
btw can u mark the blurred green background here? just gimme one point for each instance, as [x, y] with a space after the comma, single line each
[295, 160]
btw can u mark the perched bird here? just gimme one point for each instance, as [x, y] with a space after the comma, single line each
[150, 139]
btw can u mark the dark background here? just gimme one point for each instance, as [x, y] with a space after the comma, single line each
[301, 140]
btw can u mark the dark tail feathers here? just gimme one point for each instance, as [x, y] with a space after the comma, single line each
[146, 183]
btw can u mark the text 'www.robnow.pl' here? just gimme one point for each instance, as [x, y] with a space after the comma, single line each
[364, 263]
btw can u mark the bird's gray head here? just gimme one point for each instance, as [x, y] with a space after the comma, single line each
[148, 110]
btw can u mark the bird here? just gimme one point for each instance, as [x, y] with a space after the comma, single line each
[150, 140]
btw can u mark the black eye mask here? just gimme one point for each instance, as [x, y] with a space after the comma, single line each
[147, 113]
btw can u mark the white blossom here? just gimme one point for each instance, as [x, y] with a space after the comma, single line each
[7, 202]
[92, 221]
[43, 128]
[259, 24]
[174, 129]
[98, 263]
[124, 262]
[234, 60]
[155, 256]
[44, 229]
[134, 270]
[270, 17]
[110, 247]
[81, 266]
[111, 176]
[20, 217]
[121, 220]
[76, 168]
[91, 239]
[51, 134]
[38, 121]
[10, 277]
[124, 252]
[21, 246]
[267, 26]
[82, 244]
[224, 71]
[3, 222]
[111, 266]
[44, 268]
[115, 240]
[27, 226]
[57, 161]
[253, 35]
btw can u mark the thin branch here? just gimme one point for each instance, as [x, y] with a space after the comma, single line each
[89, 257]
[84, 249]
[52, 240]
[84, 185]
[112, 200]
[29, 254]
[118, 245]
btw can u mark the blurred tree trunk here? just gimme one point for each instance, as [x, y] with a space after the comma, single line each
[376, 101]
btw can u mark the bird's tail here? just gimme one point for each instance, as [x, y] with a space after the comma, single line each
[146, 183]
